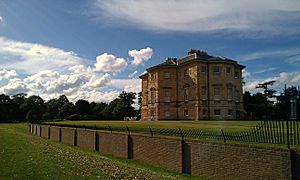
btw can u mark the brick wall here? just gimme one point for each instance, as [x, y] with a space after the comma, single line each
[54, 133]
[45, 131]
[295, 163]
[212, 160]
[38, 130]
[163, 152]
[34, 129]
[86, 139]
[221, 161]
[68, 135]
[115, 144]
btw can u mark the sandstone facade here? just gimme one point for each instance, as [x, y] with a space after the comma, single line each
[198, 86]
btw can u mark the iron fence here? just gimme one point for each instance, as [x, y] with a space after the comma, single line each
[285, 132]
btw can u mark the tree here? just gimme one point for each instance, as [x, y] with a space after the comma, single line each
[66, 110]
[82, 107]
[35, 103]
[268, 93]
[20, 111]
[97, 110]
[7, 107]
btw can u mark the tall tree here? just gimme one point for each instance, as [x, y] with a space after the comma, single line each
[83, 107]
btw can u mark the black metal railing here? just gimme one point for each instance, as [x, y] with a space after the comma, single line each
[285, 132]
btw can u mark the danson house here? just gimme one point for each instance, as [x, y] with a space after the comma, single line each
[195, 87]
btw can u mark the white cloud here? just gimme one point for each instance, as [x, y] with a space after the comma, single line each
[109, 63]
[294, 59]
[133, 85]
[271, 53]
[7, 74]
[202, 15]
[288, 78]
[14, 86]
[1, 19]
[133, 74]
[265, 70]
[246, 74]
[140, 55]
[31, 58]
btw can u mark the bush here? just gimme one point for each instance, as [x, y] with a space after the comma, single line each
[75, 117]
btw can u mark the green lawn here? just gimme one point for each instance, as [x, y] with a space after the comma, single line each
[215, 125]
[26, 156]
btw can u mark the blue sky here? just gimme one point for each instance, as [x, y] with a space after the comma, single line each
[95, 49]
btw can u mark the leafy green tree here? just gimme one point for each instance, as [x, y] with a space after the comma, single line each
[20, 111]
[36, 105]
[66, 110]
[7, 107]
[83, 107]
[97, 110]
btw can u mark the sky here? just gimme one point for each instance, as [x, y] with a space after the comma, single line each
[96, 49]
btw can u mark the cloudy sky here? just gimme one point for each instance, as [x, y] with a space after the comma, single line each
[95, 49]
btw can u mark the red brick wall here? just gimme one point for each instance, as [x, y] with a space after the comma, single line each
[34, 129]
[163, 152]
[68, 135]
[86, 139]
[44, 131]
[220, 161]
[38, 133]
[295, 163]
[54, 133]
[115, 144]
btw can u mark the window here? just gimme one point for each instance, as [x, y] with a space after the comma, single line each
[217, 112]
[217, 92]
[166, 75]
[216, 70]
[228, 70]
[153, 76]
[229, 93]
[186, 112]
[167, 95]
[152, 96]
[203, 69]
[236, 74]
[185, 72]
[203, 92]
[167, 114]
[237, 96]
[186, 94]
[204, 111]
[230, 112]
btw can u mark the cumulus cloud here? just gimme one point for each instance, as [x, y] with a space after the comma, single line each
[1, 19]
[7, 74]
[109, 63]
[30, 58]
[203, 15]
[288, 78]
[140, 55]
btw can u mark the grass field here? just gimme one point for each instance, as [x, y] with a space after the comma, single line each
[216, 125]
[26, 156]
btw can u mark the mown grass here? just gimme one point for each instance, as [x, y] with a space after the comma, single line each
[212, 125]
[26, 156]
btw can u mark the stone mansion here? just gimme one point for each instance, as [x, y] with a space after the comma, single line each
[197, 86]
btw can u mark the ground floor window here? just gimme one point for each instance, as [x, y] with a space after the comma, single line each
[217, 112]
[229, 111]
[186, 112]
[167, 113]
[204, 111]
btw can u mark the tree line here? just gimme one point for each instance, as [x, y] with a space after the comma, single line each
[271, 105]
[20, 108]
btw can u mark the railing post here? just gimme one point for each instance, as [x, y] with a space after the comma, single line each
[110, 129]
[128, 130]
[151, 131]
[181, 133]
[288, 133]
[224, 138]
